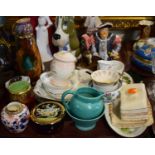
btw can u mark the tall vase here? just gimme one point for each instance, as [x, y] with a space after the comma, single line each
[27, 57]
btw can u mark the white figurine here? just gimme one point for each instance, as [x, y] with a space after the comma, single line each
[44, 23]
[91, 23]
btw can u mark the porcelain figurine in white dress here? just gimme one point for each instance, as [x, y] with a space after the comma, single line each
[44, 23]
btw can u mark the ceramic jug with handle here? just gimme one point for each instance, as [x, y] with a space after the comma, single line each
[86, 102]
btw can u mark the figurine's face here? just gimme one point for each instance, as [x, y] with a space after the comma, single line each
[103, 33]
[65, 27]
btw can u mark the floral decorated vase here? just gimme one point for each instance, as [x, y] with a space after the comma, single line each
[15, 117]
[142, 57]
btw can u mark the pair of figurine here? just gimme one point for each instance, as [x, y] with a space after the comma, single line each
[101, 41]
[104, 44]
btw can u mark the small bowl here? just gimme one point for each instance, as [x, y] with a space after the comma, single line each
[83, 124]
[105, 77]
[19, 89]
[17, 78]
[106, 87]
[47, 115]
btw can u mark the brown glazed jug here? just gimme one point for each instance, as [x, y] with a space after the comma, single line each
[28, 58]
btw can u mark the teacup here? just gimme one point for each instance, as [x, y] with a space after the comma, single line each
[109, 95]
[113, 65]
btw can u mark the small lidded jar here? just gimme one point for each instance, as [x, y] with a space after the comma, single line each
[15, 117]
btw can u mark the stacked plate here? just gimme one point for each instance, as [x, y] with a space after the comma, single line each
[46, 87]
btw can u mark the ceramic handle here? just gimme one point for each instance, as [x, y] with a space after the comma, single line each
[65, 102]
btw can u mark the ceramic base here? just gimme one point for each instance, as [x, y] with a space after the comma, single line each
[85, 128]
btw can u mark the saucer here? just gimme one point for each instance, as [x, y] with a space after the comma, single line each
[40, 92]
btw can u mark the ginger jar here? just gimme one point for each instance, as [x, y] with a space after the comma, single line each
[15, 117]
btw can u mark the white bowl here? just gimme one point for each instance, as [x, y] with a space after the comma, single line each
[113, 65]
[104, 88]
[101, 77]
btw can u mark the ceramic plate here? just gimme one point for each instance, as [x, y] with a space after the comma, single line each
[123, 132]
[127, 78]
[40, 91]
[80, 78]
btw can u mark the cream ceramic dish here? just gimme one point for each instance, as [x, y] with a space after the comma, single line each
[113, 65]
[48, 81]
[101, 77]
[80, 78]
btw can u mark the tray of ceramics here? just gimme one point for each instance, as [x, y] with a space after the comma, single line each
[79, 78]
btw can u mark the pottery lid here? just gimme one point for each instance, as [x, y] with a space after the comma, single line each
[14, 108]
[65, 56]
[49, 112]
[23, 28]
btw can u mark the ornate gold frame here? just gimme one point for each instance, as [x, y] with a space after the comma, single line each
[125, 22]
[119, 22]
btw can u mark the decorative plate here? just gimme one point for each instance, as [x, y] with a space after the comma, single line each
[125, 132]
[80, 78]
[48, 113]
[127, 79]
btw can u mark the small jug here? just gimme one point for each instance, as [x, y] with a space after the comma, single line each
[86, 103]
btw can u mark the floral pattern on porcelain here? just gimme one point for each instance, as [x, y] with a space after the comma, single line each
[23, 28]
[15, 123]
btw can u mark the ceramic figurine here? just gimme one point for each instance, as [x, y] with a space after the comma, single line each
[91, 23]
[108, 44]
[87, 42]
[44, 23]
[143, 48]
[15, 117]
[27, 57]
[65, 36]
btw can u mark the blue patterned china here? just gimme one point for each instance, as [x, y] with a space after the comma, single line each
[15, 117]
[24, 28]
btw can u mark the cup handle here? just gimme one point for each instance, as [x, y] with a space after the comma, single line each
[65, 102]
